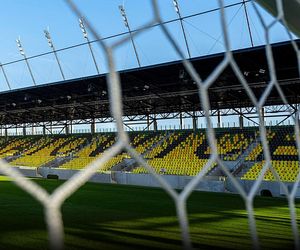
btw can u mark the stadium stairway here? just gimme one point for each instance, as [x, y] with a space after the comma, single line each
[66, 142]
[39, 145]
[66, 151]
[241, 166]
[101, 146]
[129, 164]
[284, 156]
[233, 147]
[157, 144]
[70, 153]
[56, 162]
[139, 143]
[41, 153]
[172, 144]
[245, 167]
[180, 158]
[142, 144]
[83, 157]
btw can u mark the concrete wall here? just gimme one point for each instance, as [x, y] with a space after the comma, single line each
[274, 187]
[65, 174]
[178, 182]
[28, 172]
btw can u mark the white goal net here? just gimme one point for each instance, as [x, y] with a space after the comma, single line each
[52, 202]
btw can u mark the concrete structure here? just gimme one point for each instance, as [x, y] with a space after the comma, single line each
[209, 183]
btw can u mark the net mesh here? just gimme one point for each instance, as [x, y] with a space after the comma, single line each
[52, 202]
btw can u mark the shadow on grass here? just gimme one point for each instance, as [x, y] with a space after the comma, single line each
[114, 216]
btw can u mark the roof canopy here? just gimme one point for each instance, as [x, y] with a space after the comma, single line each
[156, 89]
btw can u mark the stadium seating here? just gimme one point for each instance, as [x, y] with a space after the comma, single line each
[181, 152]
[16, 145]
[286, 170]
[230, 145]
[141, 142]
[187, 152]
[176, 155]
[87, 154]
[284, 155]
[47, 149]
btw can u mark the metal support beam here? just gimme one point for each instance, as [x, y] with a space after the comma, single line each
[155, 124]
[287, 117]
[71, 127]
[15, 119]
[67, 129]
[148, 122]
[195, 122]
[5, 76]
[180, 120]
[176, 6]
[85, 35]
[126, 23]
[244, 116]
[51, 128]
[262, 113]
[93, 127]
[49, 39]
[22, 52]
[241, 121]
[248, 23]
[128, 126]
[219, 119]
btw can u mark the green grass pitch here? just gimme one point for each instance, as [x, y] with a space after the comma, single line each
[103, 216]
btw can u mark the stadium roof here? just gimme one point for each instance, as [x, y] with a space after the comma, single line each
[162, 88]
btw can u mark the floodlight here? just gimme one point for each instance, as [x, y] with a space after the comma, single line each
[176, 6]
[123, 14]
[82, 27]
[48, 37]
[20, 47]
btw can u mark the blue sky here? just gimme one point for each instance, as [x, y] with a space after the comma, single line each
[28, 19]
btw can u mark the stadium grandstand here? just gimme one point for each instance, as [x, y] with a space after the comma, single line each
[224, 124]
[180, 151]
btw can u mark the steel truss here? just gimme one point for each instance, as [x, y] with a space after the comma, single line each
[281, 112]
